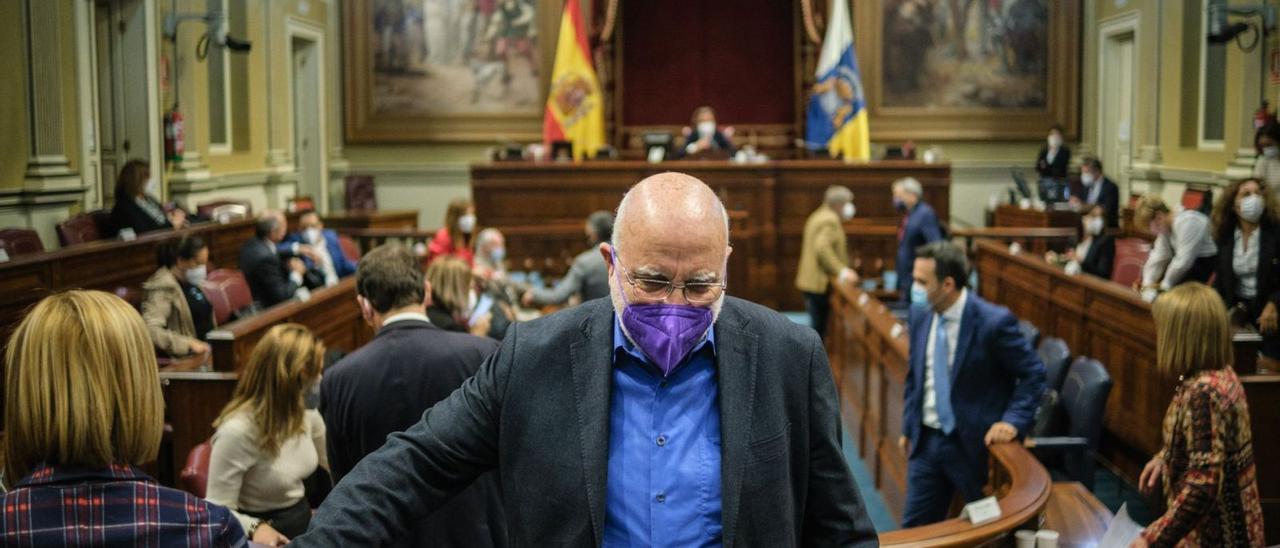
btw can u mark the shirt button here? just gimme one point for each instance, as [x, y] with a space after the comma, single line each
[662, 440]
[661, 498]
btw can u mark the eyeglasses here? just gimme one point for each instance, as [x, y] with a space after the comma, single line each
[655, 290]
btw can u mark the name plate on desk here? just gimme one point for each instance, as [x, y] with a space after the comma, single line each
[981, 511]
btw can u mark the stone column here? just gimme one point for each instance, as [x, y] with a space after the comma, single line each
[47, 163]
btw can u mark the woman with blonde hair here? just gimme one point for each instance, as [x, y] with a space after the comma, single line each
[456, 304]
[83, 410]
[457, 237]
[267, 442]
[1205, 468]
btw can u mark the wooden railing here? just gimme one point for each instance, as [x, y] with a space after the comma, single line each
[331, 314]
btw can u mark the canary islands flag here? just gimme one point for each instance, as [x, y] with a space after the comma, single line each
[575, 106]
[837, 109]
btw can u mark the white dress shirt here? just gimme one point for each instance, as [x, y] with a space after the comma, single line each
[1244, 261]
[953, 315]
[406, 317]
[1176, 251]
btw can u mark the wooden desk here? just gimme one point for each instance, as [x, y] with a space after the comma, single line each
[1013, 216]
[1041, 239]
[1079, 517]
[403, 218]
[192, 401]
[773, 199]
[331, 314]
[103, 264]
[1110, 323]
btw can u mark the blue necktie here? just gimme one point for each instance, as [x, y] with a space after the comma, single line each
[942, 377]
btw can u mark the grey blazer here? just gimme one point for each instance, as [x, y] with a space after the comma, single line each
[588, 277]
[538, 412]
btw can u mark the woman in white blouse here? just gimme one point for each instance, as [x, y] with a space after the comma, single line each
[1246, 225]
[267, 442]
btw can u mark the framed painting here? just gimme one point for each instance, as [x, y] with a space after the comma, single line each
[969, 69]
[447, 70]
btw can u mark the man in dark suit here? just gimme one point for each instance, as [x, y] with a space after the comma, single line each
[668, 415]
[973, 381]
[919, 226]
[1054, 158]
[264, 267]
[1097, 189]
[319, 249]
[384, 387]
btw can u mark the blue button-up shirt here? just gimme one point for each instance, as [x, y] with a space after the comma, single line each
[664, 450]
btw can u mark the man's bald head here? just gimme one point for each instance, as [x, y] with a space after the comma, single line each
[674, 205]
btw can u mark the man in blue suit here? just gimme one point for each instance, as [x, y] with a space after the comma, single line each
[919, 227]
[973, 381]
[319, 248]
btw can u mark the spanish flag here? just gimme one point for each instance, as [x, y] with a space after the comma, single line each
[837, 119]
[575, 106]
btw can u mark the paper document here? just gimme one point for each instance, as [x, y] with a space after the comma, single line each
[1122, 530]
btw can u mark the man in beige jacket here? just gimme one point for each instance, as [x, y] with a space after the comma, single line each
[824, 254]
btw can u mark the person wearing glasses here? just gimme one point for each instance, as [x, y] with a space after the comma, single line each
[668, 415]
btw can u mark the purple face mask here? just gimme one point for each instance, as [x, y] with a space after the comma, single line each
[666, 333]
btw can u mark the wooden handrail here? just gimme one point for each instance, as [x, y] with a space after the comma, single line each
[1021, 499]
[1093, 283]
[233, 342]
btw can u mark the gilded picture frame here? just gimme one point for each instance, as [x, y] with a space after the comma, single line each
[433, 71]
[1007, 70]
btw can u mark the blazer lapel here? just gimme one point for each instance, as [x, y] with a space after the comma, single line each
[965, 339]
[592, 367]
[736, 350]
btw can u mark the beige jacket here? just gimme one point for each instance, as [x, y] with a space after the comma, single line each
[168, 318]
[823, 252]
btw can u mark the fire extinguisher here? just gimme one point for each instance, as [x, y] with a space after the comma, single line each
[1263, 116]
[173, 135]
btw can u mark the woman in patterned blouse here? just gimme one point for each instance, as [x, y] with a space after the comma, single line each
[1206, 467]
[83, 410]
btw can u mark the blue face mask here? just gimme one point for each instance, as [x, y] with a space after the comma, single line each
[919, 295]
[498, 254]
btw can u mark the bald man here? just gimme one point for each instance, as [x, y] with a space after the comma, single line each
[668, 415]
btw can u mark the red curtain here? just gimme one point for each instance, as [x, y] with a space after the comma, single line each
[734, 55]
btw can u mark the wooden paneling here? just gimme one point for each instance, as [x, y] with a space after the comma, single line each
[403, 218]
[1263, 392]
[331, 314]
[541, 206]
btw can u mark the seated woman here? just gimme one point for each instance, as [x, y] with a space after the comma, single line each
[490, 255]
[1246, 225]
[1096, 252]
[266, 442]
[705, 135]
[1205, 469]
[138, 206]
[455, 238]
[1184, 250]
[454, 302]
[88, 413]
[177, 312]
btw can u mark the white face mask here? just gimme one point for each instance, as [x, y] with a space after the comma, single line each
[196, 275]
[1251, 208]
[152, 187]
[1272, 152]
[467, 223]
[848, 211]
[1093, 226]
[1088, 179]
[1055, 141]
[312, 235]
[706, 128]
